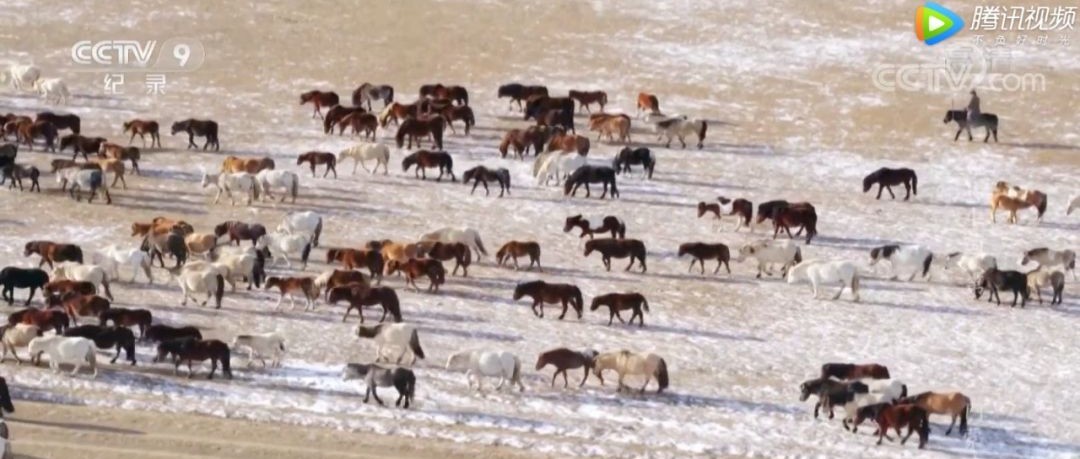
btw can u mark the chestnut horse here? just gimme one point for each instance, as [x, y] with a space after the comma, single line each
[609, 223]
[397, 112]
[335, 115]
[514, 249]
[250, 165]
[43, 319]
[610, 125]
[1013, 198]
[358, 298]
[647, 102]
[568, 143]
[414, 268]
[68, 121]
[201, 128]
[463, 113]
[52, 252]
[446, 251]
[240, 231]
[122, 317]
[617, 248]
[620, 302]
[314, 158]
[58, 288]
[566, 359]
[28, 131]
[542, 292]
[354, 258]
[76, 304]
[518, 92]
[701, 251]
[319, 99]
[114, 151]
[851, 371]
[886, 178]
[416, 128]
[586, 98]
[365, 123]
[954, 404]
[337, 278]
[535, 137]
[143, 128]
[794, 214]
[458, 94]
[425, 159]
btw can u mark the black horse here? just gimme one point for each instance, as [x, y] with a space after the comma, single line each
[160, 333]
[987, 120]
[886, 178]
[629, 156]
[482, 175]
[201, 128]
[537, 107]
[12, 278]
[518, 92]
[591, 174]
[996, 280]
[107, 338]
[196, 350]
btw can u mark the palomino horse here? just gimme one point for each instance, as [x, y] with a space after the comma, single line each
[1013, 198]
[518, 92]
[987, 120]
[425, 159]
[628, 156]
[314, 158]
[514, 249]
[66, 121]
[142, 128]
[80, 144]
[627, 363]
[609, 223]
[587, 174]
[953, 404]
[367, 92]
[566, 359]
[458, 94]
[647, 103]
[701, 251]
[542, 292]
[481, 175]
[682, 127]
[250, 165]
[201, 128]
[610, 125]
[617, 248]
[319, 99]
[886, 178]
[586, 98]
[52, 252]
[416, 129]
[617, 302]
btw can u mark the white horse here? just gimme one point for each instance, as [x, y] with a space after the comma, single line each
[93, 274]
[112, 256]
[820, 273]
[192, 281]
[391, 337]
[496, 364]
[52, 89]
[306, 222]
[269, 179]
[16, 336]
[227, 182]
[21, 77]
[468, 236]
[771, 252]
[681, 127]
[1047, 258]
[364, 151]
[234, 267]
[79, 179]
[904, 259]
[261, 345]
[1073, 205]
[65, 350]
[974, 264]
[558, 165]
[281, 245]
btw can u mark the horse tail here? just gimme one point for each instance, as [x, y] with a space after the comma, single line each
[306, 253]
[798, 255]
[226, 357]
[661, 376]
[317, 233]
[926, 264]
[645, 303]
[504, 146]
[395, 308]
[701, 131]
[622, 230]
[414, 344]
[1041, 206]
[389, 96]
[219, 290]
[578, 299]
[914, 184]
[903, 391]
[400, 136]
[964, 416]
[295, 187]
[516, 375]
[480, 245]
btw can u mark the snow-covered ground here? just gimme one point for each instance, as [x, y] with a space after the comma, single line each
[795, 116]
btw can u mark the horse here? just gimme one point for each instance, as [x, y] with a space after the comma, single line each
[458, 94]
[534, 137]
[87, 273]
[367, 91]
[281, 245]
[514, 249]
[403, 379]
[682, 127]
[987, 120]
[20, 77]
[332, 278]
[627, 363]
[159, 244]
[425, 159]
[414, 268]
[290, 286]
[996, 280]
[786, 215]
[200, 243]
[75, 351]
[517, 92]
[886, 178]
[478, 363]
[111, 166]
[1042, 277]
[973, 264]
[53, 252]
[314, 158]
[44, 320]
[464, 235]
[830, 393]
[250, 165]
[52, 89]
[117, 152]
[1047, 258]
[201, 128]
[365, 151]
[364, 123]
[566, 359]
[743, 208]
[76, 304]
[289, 181]
[248, 266]
[464, 113]
[820, 273]
[647, 102]
[909, 258]
[67, 121]
[227, 182]
[106, 338]
[482, 175]
[400, 336]
[555, 165]
[160, 333]
[397, 111]
[543, 292]
[122, 317]
[459, 252]
[608, 223]
[701, 251]
[319, 99]
[591, 174]
[610, 125]
[852, 371]
[260, 346]
[357, 296]
[12, 337]
[210, 282]
[586, 98]
[629, 156]
[415, 129]
[336, 115]
[26, 131]
[196, 350]
[564, 142]
[142, 128]
[617, 302]
[610, 248]
[954, 404]
[768, 253]
[57, 288]
[79, 144]
[537, 106]
[354, 258]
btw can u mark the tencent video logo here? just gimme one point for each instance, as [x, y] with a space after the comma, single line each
[935, 23]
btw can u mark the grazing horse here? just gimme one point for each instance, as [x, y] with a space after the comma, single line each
[852, 371]
[795, 214]
[122, 317]
[367, 151]
[403, 379]
[514, 249]
[701, 251]
[1047, 258]
[627, 363]
[106, 338]
[364, 123]
[358, 296]
[987, 120]
[445, 251]
[142, 128]
[1013, 198]
[682, 127]
[996, 280]
[425, 159]
[542, 292]
[81, 144]
[52, 252]
[910, 258]
[478, 363]
[67, 121]
[397, 111]
[161, 333]
[240, 231]
[954, 404]
[458, 94]
[617, 248]
[608, 223]
[886, 178]
[201, 128]
[44, 320]
[416, 129]
[629, 156]
[565, 143]
[820, 273]
[314, 158]
[586, 98]
[566, 359]
[647, 103]
[481, 175]
[319, 99]
[610, 125]
[587, 174]
[537, 106]
[367, 91]
[464, 113]
[617, 302]
[517, 92]
[414, 268]
[196, 350]
[12, 278]
[290, 286]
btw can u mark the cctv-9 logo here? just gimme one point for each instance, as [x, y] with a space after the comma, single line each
[180, 55]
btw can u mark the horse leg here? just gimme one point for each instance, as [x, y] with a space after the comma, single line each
[563, 309]
[951, 425]
[889, 189]
[607, 262]
[611, 317]
[837, 296]
[968, 129]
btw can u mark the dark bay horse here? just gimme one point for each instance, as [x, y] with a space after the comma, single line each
[160, 333]
[586, 98]
[789, 214]
[629, 156]
[886, 178]
[514, 249]
[335, 115]
[319, 99]
[987, 120]
[566, 359]
[618, 248]
[481, 175]
[67, 121]
[464, 113]
[587, 174]
[122, 317]
[192, 350]
[537, 106]
[53, 252]
[358, 297]
[314, 158]
[617, 302]
[458, 94]
[456, 251]
[518, 92]
[534, 137]
[851, 371]
[417, 128]
[240, 231]
[80, 144]
[200, 128]
[107, 338]
[424, 159]
[143, 128]
[12, 278]
[542, 292]
[609, 223]
[28, 131]
[701, 251]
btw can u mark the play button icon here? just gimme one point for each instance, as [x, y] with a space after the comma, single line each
[935, 23]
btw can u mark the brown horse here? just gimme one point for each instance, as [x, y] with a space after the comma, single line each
[458, 94]
[1013, 198]
[240, 231]
[114, 167]
[114, 151]
[56, 289]
[417, 128]
[424, 159]
[398, 112]
[586, 98]
[538, 106]
[67, 121]
[464, 113]
[609, 223]
[314, 158]
[76, 305]
[358, 298]
[192, 350]
[43, 319]
[851, 371]
[515, 249]
[617, 248]
[142, 128]
[414, 268]
[338, 278]
[897, 417]
[365, 123]
[953, 404]
[250, 165]
[701, 251]
[534, 137]
[81, 144]
[354, 258]
[319, 99]
[201, 128]
[335, 115]
[122, 317]
[367, 91]
[647, 102]
[610, 125]
[518, 92]
[446, 251]
[27, 131]
[796, 214]
[568, 143]
[566, 359]
[290, 286]
[52, 252]
[620, 302]
[542, 292]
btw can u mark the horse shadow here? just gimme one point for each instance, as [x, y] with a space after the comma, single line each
[696, 333]
[666, 178]
[472, 335]
[722, 278]
[849, 243]
[481, 297]
[933, 309]
[985, 441]
[961, 204]
[76, 426]
[674, 205]
[1042, 146]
